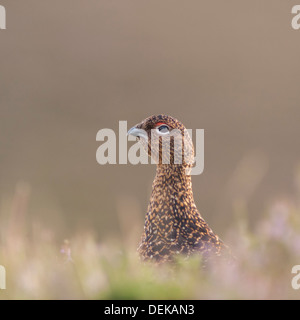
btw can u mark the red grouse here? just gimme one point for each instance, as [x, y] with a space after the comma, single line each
[173, 225]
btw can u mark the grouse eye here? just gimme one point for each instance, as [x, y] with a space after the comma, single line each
[164, 129]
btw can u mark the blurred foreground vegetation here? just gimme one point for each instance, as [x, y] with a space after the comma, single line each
[39, 267]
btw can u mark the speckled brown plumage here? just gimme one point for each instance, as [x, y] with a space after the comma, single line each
[173, 225]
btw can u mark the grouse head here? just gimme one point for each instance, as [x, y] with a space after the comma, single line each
[166, 140]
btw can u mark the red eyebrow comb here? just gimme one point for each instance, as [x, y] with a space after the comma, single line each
[160, 123]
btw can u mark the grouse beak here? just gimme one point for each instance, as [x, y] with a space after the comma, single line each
[136, 132]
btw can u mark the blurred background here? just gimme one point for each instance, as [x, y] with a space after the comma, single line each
[70, 68]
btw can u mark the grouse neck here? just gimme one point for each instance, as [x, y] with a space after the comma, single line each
[173, 176]
[172, 188]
